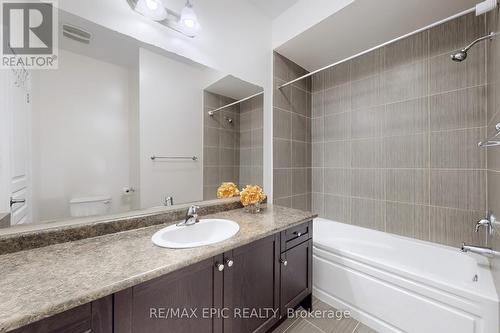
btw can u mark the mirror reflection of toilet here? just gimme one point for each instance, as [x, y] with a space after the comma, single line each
[89, 206]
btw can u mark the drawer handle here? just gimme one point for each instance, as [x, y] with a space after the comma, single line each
[220, 267]
[229, 262]
[284, 262]
[298, 233]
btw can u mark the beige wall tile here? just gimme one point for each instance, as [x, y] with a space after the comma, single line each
[458, 149]
[318, 180]
[368, 183]
[300, 101]
[365, 93]
[338, 75]
[407, 185]
[299, 127]
[337, 126]
[368, 213]
[408, 220]
[366, 153]
[282, 153]
[337, 99]
[337, 208]
[452, 227]
[337, 181]
[337, 154]
[318, 104]
[405, 82]
[408, 117]
[367, 123]
[411, 49]
[367, 64]
[301, 181]
[461, 189]
[409, 151]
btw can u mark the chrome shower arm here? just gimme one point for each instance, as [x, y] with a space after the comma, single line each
[480, 39]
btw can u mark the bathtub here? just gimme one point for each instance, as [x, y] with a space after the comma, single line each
[398, 284]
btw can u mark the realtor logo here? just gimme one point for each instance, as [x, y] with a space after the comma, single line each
[29, 34]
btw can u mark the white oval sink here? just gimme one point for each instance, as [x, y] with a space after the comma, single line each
[205, 232]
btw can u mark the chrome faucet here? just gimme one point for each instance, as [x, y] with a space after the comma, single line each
[191, 216]
[487, 223]
[169, 201]
[484, 251]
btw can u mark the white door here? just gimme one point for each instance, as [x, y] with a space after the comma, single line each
[16, 116]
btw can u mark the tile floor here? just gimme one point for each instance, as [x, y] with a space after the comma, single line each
[316, 325]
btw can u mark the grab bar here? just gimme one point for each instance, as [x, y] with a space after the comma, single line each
[193, 158]
[490, 142]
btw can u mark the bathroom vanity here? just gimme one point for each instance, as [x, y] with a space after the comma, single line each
[259, 273]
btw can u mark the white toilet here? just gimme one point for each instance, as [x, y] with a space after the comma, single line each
[89, 206]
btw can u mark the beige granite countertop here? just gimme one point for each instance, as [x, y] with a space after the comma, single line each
[38, 283]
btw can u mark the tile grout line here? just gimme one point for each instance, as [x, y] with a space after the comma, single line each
[307, 321]
[356, 327]
[293, 323]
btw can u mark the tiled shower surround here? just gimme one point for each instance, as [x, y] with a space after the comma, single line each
[233, 152]
[394, 137]
[291, 136]
[493, 117]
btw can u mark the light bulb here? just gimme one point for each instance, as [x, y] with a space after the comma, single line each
[188, 20]
[152, 4]
[152, 9]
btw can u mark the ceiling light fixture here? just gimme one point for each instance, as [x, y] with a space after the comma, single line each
[186, 22]
[152, 9]
[189, 20]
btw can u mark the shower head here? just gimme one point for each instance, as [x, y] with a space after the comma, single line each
[459, 56]
[462, 54]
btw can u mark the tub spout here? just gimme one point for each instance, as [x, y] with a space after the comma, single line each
[484, 251]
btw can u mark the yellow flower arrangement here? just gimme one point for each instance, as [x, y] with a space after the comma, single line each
[227, 190]
[251, 195]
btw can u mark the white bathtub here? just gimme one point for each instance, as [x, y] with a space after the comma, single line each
[397, 284]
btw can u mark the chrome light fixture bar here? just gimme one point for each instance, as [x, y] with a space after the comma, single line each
[185, 23]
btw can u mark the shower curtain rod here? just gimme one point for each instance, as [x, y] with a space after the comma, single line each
[380, 45]
[211, 113]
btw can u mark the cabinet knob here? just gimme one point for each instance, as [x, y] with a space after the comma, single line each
[229, 262]
[284, 262]
[220, 267]
[298, 233]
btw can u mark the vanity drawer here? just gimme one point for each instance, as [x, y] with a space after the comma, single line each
[296, 235]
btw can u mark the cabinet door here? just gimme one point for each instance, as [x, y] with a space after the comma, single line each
[95, 317]
[251, 286]
[296, 275]
[166, 304]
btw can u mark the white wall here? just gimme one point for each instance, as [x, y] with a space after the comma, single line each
[80, 134]
[4, 141]
[171, 124]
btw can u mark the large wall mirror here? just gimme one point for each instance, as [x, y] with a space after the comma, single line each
[120, 126]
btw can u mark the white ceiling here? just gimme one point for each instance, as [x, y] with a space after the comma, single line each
[365, 24]
[273, 8]
[233, 87]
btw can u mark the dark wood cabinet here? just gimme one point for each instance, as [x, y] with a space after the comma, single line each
[95, 317]
[296, 275]
[251, 286]
[245, 290]
[172, 303]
